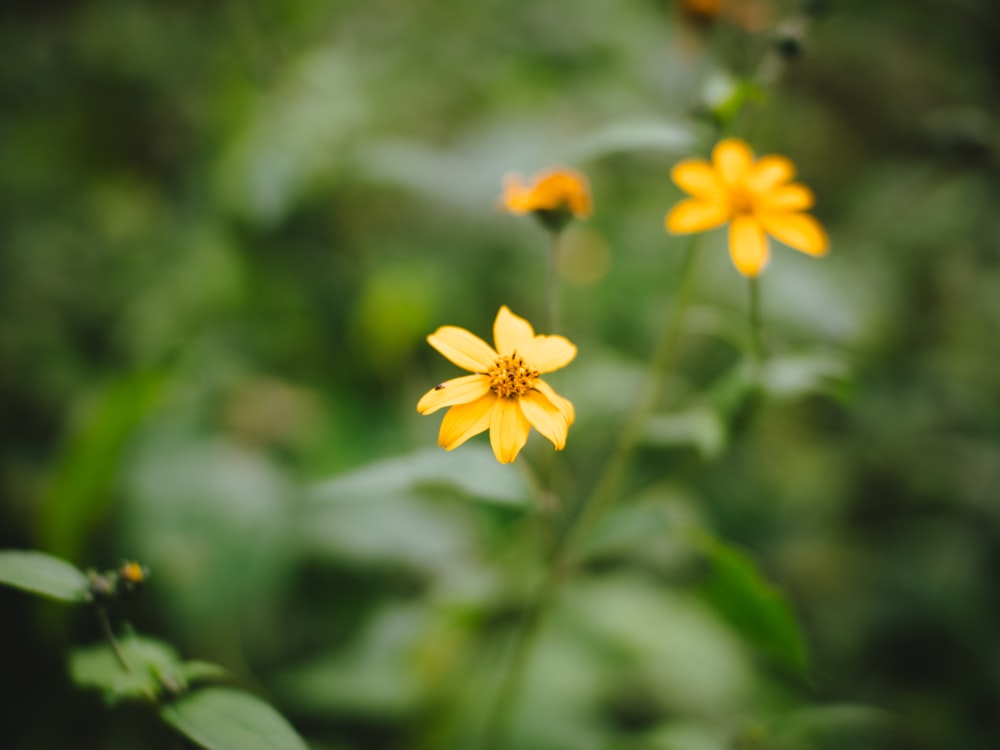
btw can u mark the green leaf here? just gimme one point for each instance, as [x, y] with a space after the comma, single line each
[154, 668]
[726, 96]
[86, 471]
[797, 375]
[754, 607]
[203, 671]
[472, 472]
[380, 676]
[151, 664]
[228, 719]
[699, 427]
[626, 528]
[672, 137]
[44, 575]
[836, 725]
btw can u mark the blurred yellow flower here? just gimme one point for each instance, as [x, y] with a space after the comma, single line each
[756, 197]
[554, 196]
[701, 11]
[133, 572]
[505, 394]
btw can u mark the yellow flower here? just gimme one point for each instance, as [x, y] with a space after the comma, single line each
[756, 197]
[505, 394]
[701, 11]
[132, 572]
[553, 196]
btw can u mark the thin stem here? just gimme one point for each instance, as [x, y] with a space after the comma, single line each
[661, 360]
[552, 281]
[102, 616]
[524, 640]
[756, 348]
[596, 503]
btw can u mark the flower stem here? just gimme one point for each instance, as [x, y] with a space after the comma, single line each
[661, 360]
[596, 503]
[756, 348]
[109, 636]
[552, 280]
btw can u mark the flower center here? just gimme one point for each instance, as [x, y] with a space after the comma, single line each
[510, 377]
[740, 201]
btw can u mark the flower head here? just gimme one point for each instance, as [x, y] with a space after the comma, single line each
[554, 196]
[755, 197]
[701, 11]
[505, 393]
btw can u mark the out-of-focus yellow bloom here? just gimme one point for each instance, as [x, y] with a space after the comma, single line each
[701, 11]
[755, 197]
[133, 573]
[553, 196]
[505, 394]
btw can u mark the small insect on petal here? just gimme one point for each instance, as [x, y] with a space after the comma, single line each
[439, 387]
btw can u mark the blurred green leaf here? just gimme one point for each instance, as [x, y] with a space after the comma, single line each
[154, 667]
[669, 642]
[228, 719]
[835, 726]
[191, 506]
[756, 608]
[379, 675]
[626, 527]
[203, 671]
[296, 134]
[386, 529]
[792, 376]
[393, 511]
[684, 734]
[699, 427]
[43, 574]
[84, 476]
[672, 137]
[471, 471]
[726, 96]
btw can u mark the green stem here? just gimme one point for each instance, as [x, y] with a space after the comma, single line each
[552, 281]
[596, 503]
[109, 635]
[661, 360]
[756, 348]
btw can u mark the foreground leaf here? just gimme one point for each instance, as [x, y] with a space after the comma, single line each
[154, 668]
[228, 719]
[44, 575]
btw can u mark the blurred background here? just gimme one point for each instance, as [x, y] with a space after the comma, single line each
[226, 229]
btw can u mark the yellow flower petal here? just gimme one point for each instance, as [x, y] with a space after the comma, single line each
[799, 231]
[516, 196]
[769, 172]
[545, 418]
[793, 197]
[511, 333]
[552, 190]
[562, 404]
[747, 245]
[547, 353]
[508, 429]
[697, 177]
[463, 348]
[466, 420]
[455, 391]
[694, 215]
[732, 159]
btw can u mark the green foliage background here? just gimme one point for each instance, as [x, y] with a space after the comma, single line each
[226, 229]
